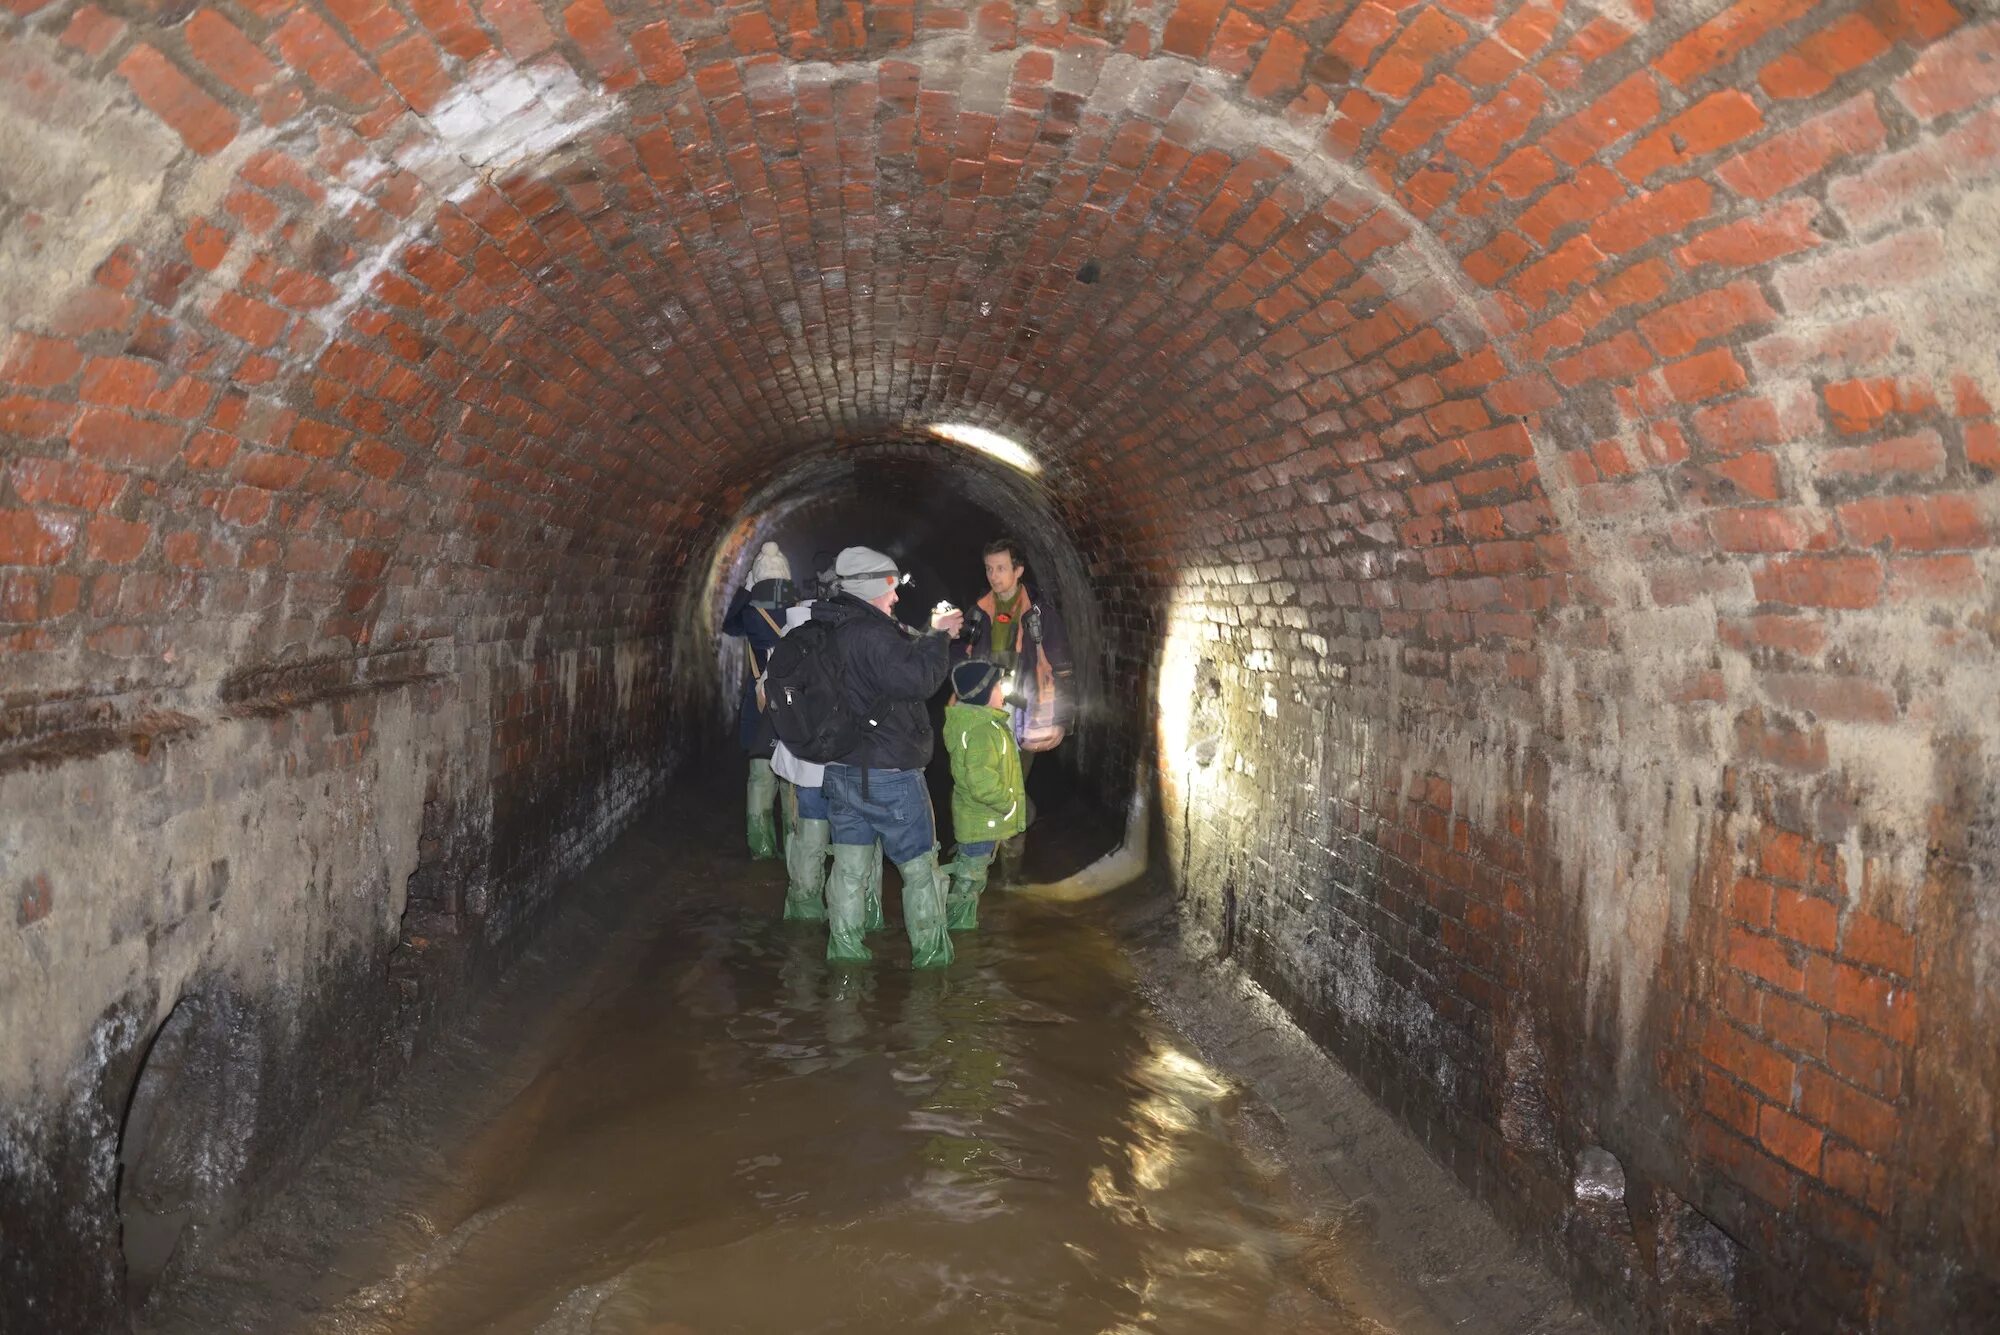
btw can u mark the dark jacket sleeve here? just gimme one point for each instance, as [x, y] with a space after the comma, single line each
[906, 667]
[971, 639]
[1055, 641]
[732, 620]
[1055, 648]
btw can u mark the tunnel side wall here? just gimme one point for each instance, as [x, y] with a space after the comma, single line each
[1574, 685]
[1554, 443]
[1467, 925]
[323, 861]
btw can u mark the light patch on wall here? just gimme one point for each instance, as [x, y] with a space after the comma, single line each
[1626, 13]
[78, 166]
[989, 443]
[1175, 717]
[1189, 727]
[1932, 284]
[627, 661]
[503, 118]
[131, 919]
[504, 115]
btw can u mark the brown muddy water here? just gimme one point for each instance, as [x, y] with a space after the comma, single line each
[675, 1117]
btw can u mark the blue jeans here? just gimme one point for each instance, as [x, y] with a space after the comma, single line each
[897, 810]
[812, 803]
[983, 849]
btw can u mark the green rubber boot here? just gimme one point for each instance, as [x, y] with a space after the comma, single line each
[1005, 865]
[923, 912]
[871, 918]
[805, 871]
[846, 891]
[762, 799]
[961, 901]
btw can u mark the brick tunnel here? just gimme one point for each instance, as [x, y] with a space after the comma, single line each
[1523, 471]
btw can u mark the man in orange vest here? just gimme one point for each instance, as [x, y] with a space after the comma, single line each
[1029, 643]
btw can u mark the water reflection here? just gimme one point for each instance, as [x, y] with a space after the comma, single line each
[741, 1138]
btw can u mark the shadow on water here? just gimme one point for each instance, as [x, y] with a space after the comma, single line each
[728, 1134]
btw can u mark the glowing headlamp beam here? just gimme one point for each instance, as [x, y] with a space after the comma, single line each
[989, 443]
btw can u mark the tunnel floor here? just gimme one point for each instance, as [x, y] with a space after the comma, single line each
[674, 1116]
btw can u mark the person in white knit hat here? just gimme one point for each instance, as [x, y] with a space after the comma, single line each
[757, 614]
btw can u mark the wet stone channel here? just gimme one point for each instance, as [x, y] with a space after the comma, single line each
[675, 1116]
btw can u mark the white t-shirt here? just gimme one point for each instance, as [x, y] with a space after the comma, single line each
[786, 765]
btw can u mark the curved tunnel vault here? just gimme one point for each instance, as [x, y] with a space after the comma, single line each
[932, 507]
[1539, 453]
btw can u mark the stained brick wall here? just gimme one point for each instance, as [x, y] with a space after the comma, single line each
[324, 856]
[1542, 452]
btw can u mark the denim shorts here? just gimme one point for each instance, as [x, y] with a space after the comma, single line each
[812, 802]
[897, 810]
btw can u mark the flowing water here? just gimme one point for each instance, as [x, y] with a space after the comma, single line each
[724, 1133]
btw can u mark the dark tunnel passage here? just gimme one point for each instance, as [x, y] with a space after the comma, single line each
[933, 507]
[1524, 475]
[906, 508]
[929, 507]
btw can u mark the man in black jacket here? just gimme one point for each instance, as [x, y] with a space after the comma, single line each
[876, 790]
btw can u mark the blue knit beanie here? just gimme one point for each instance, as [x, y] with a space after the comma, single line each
[972, 681]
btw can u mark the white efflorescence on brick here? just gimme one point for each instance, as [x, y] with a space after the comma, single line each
[503, 119]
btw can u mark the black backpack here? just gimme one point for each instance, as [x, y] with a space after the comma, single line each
[805, 687]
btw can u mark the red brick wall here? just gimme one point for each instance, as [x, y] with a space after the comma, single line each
[1546, 449]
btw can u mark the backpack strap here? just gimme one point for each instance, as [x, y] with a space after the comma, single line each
[763, 700]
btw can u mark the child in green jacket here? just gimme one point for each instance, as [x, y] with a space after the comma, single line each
[988, 800]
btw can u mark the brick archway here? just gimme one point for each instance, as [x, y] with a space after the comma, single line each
[1565, 428]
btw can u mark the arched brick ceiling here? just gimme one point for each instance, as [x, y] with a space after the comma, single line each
[1497, 326]
[350, 325]
[1553, 438]
[409, 320]
[1573, 368]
